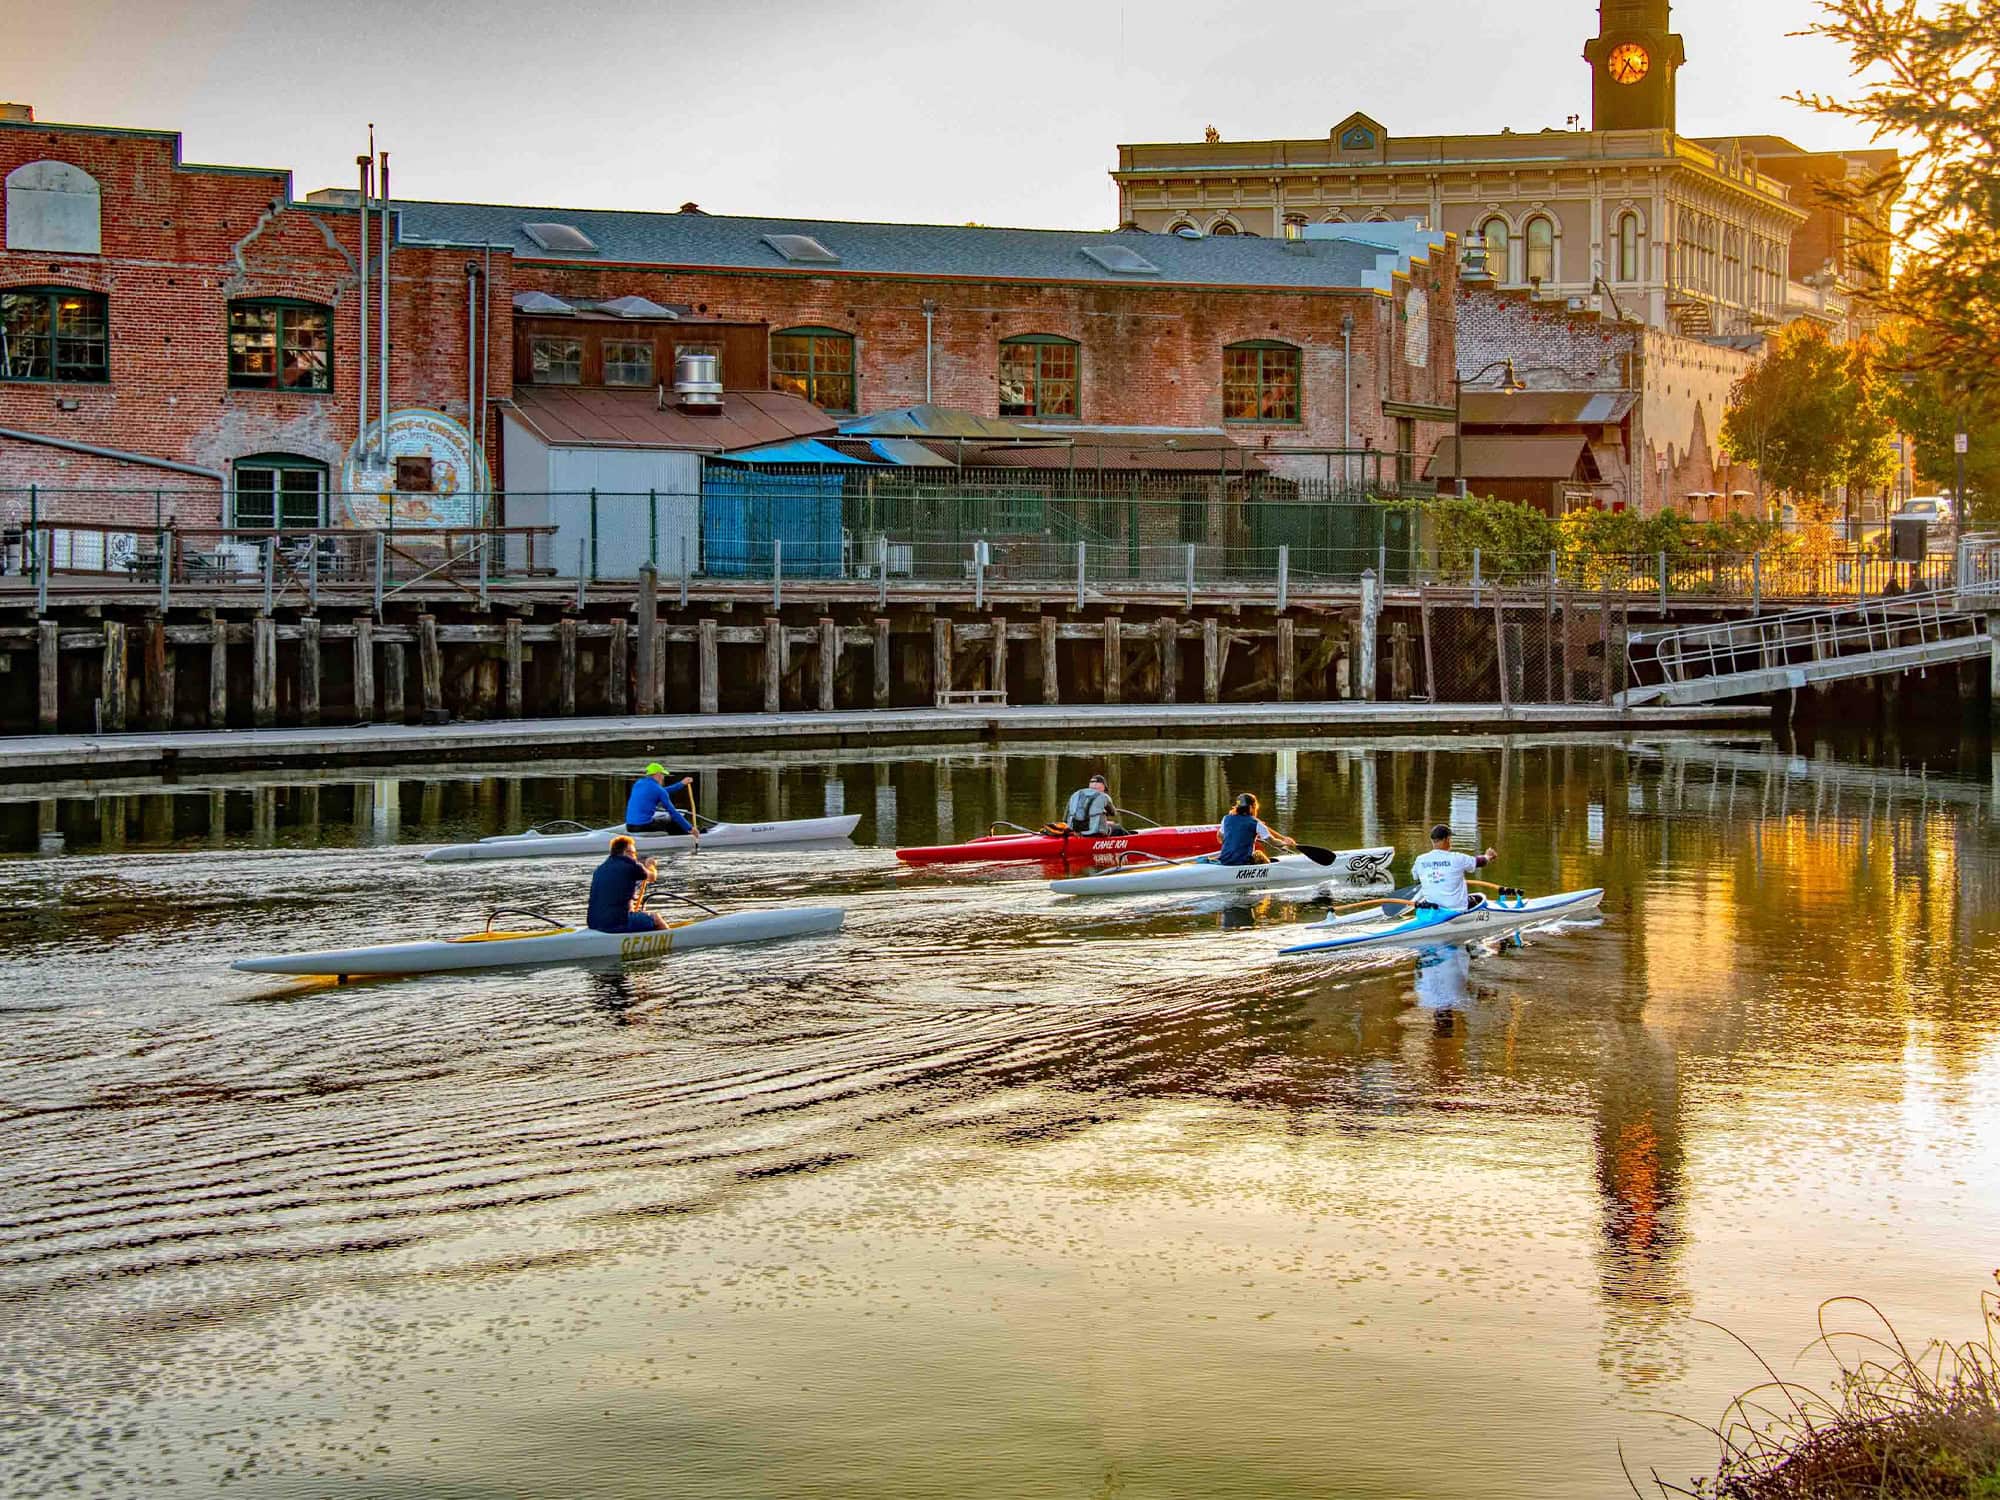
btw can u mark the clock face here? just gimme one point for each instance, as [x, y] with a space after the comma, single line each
[1629, 63]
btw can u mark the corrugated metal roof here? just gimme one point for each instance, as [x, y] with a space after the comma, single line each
[585, 417]
[683, 239]
[1555, 457]
[1188, 452]
[908, 453]
[794, 451]
[1548, 408]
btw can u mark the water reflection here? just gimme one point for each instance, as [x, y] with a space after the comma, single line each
[1012, 1133]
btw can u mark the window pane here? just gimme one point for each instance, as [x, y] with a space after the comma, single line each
[307, 341]
[1239, 385]
[24, 335]
[817, 366]
[557, 361]
[1281, 385]
[628, 362]
[834, 392]
[50, 334]
[1017, 380]
[1541, 250]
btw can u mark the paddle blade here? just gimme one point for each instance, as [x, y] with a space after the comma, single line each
[1316, 854]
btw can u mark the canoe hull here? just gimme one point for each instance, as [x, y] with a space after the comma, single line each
[580, 845]
[568, 945]
[1070, 849]
[1350, 866]
[1483, 921]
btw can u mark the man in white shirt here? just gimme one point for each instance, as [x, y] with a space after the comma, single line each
[1091, 810]
[1441, 873]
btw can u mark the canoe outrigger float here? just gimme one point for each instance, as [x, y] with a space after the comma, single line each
[1155, 877]
[1435, 929]
[555, 945]
[536, 844]
[1063, 847]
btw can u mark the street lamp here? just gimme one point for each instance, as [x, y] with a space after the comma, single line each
[1511, 384]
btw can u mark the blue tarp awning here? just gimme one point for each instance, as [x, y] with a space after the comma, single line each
[908, 453]
[792, 451]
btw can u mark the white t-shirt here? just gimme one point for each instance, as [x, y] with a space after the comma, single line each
[1441, 878]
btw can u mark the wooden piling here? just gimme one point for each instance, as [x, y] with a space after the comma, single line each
[1051, 685]
[48, 674]
[883, 681]
[1211, 661]
[829, 661]
[1287, 658]
[566, 666]
[395, 677]
[430, 665]
[1500, 649]
[708, 647]
[364, 669]
[1114, 662]
[997, 672]
[617, 686]
[1167, 633]
[1400, 665]
[263, 671]
[1430, 665]
[218, 672]
[111, 682]
[648, 643]
[513, 665]
[774, 664]
[309, 672]
[941, 664]
[158, 676]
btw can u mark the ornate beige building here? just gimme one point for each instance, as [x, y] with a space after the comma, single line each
[1628, 218]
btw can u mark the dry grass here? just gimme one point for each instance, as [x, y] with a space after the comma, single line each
[1898, 1426]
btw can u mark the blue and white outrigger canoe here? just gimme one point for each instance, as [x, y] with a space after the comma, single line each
[1432, 929]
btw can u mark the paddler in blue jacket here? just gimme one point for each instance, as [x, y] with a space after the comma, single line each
[651, 809]
[1242, 831]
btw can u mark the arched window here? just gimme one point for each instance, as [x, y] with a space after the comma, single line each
[1295, 226]
[55, 206]
[277, 344]
[1182, 227]
[1260, 382]
[278, 491]
[1040, 376]
[1495, 233]
[816, 363]
[1732, 267]
[1223, 226]
[1541, 257]
[1628, 247]
[54, 333]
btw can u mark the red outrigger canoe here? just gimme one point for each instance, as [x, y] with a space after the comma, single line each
[1071, 848]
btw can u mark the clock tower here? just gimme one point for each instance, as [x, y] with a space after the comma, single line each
[1633, 59]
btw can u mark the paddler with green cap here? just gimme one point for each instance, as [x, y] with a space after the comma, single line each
[651, 809]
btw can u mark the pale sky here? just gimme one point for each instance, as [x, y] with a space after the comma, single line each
[929, 110]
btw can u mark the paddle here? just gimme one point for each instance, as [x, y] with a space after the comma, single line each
[1391, 905]
[1316, 854]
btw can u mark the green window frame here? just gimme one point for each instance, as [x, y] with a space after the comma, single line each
[1261, 383]
[277, 492]
[280, 344]
[555, 360]
[816, 363]
[55, 335]
[1041, 375]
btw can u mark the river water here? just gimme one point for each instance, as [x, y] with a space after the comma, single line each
[991, 1194]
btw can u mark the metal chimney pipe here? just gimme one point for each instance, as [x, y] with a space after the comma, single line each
[383, 405]
[367, 166]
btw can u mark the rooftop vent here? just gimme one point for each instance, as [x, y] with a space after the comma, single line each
[341, 197]
[542, 304]
[635, 307]
[19, 114]
[698, 382]
[560, 239]
[1121, 260]
[802, 249]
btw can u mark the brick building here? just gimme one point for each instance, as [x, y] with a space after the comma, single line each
[197, 330]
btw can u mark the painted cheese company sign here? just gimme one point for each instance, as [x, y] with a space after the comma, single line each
[457, 477]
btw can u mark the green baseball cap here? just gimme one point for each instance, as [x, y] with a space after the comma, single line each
[656, 769]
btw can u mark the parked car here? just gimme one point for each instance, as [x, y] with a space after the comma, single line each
[1936, 509]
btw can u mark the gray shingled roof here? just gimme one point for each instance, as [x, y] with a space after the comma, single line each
[703, 240]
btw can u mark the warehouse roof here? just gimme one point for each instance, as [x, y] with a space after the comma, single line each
[820, 247]
[1551, 458]
[1548, 408]
[585, 417]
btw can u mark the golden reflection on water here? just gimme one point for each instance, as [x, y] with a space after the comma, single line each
[992, 1194]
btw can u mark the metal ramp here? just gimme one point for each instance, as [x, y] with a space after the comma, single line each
[1780, 653]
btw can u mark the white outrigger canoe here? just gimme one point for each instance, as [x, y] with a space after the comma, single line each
[1436, 929]
[537, 845]
[1349, 867]
[556, 945]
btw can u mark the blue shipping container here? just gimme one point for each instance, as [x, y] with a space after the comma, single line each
[743, 512]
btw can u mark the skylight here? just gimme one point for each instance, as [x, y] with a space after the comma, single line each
[801, 249]
[634, 307]
[560, 239]
[541, 302]
[1121, 260]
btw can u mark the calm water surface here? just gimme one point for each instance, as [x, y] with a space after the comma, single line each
[992, 1194]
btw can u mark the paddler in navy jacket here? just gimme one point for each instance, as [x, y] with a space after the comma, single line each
[1242, 831]
[651, 809]
[615, 890]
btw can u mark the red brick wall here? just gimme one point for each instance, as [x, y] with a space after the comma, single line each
[178, 243]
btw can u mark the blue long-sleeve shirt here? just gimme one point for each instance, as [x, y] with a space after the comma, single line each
[647, 799]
